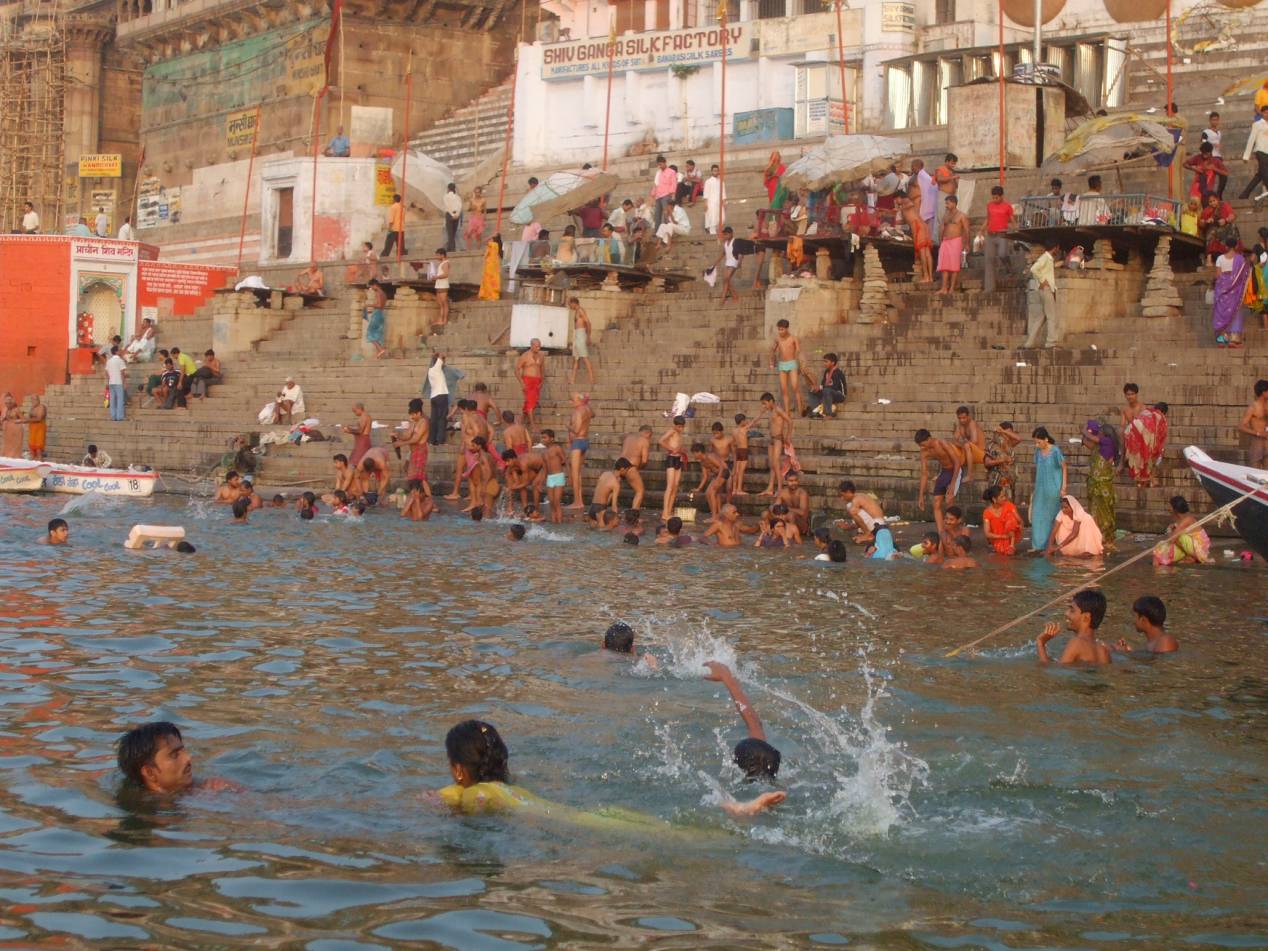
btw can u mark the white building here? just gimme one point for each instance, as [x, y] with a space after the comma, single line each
[783, 62]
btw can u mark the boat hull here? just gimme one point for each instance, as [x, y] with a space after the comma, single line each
[22, 478]
[1225, 482]
[114, 482]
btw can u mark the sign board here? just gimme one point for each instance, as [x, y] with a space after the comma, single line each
[897, 17]
[147, 203]
[240, 128]
[104, 165]
[642, 51]
[181, 288]
[103, 249]
[384, 187]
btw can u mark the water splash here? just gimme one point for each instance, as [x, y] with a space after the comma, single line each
[199, 508]
[91, 504]
[539, 532]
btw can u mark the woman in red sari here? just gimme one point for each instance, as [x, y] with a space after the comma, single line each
[1216, 226]
[1001, 522]
[1144, 436]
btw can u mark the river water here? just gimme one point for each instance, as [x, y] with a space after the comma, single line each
[932, 802]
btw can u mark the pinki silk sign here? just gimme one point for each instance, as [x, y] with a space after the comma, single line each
[646, 51]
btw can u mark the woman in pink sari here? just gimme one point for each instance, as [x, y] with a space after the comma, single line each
[1075, 533]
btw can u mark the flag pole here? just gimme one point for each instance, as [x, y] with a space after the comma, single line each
[1171, 166]
[607, 115]
[409, 97]
[312, 217]
[1002, 155]
[510, 124]
[722, 22]
[246, 198]
[845, 103]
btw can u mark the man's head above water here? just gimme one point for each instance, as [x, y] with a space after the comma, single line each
[153, 756]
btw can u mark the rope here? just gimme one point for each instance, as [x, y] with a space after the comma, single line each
[1222, 510]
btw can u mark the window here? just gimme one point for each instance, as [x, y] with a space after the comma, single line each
[771, 9]
[630, 16]
[898, 96]
[944, 12]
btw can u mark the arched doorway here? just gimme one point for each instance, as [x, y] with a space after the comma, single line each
[102, 297]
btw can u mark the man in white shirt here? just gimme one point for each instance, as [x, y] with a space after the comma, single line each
[102, 224]
[676, 222]
[290, 402]
[1042, 313]
[714, 196]
[730, 261]
[116, 381]
[453, 217]
[30, 220]
[439, 389]
[619, 222]
[125, 231]
[1257, 146]
[1213, 135]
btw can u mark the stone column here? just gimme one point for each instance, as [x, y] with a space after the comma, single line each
[86, 38]
[874, 304]
[1161, 297]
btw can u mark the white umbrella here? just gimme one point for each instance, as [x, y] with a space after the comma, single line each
[555, 195]
[424, 177]
[845, 158]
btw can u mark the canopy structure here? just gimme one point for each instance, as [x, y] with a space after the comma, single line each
[561, 192]
[1106, 140]
[845, 158]
[424, 177]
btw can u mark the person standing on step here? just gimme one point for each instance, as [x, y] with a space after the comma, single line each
[675, 461]
[376, 318]
[1255, 425]
[664, 186]
[579, 443]
[395, 228]
[999, 220]
[116, 380]
[442, 287]
[948, 183]
[580, 340]
[955, 225]
[637, 448]
[729, 260]
[948, 458]
[36, 427]
[453, 217]
[361, 431]
[530, 370]
[1257, 150]
[714, 198]
[11, 420]
[438, 388]
[785, 355]
[1042, 315]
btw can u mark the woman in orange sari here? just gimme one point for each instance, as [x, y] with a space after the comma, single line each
[1001, 522]
[491, 278]
[770, 178]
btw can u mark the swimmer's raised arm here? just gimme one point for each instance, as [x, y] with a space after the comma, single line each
[745, 810]
[722, 674]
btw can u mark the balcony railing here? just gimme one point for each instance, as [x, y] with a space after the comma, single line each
[1057, 211]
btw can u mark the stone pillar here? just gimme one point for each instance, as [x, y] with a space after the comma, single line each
[1102, 257]
[874, 304]
[86, 38]
[1161, 297]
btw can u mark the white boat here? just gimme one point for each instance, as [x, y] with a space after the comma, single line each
[76, 480]
[22, 475]
[1226, 481]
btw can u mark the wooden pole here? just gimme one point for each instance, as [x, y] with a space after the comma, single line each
[1000, 136]
[607, 115]
[246, 199]
[845, 100]
[510, 124]
[312, 217]
[722, 22]
[1171, 167]
[409, 98]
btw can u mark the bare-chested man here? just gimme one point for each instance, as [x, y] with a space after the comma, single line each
[230, 490]
[955, 225]
[484, 404]
[798, 501]
[785, 355]
[556, 478]
[1255, 425]
[970, 439]
[578, 443]
[637, 449]
[909, 208]
[723, 443]
[948, 458]
[345, 475]
[530, 370]
[483, 487]
[361, 429]
[864, 511]
[714, 474]
[780, 434]
[471, 426]
[675, 461]
[607, 491]
[739, 436]
[524, 472]
[727, 528]
[515, 435]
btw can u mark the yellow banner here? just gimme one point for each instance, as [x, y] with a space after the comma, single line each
[104, 165]
[384, 187]
[240, 128]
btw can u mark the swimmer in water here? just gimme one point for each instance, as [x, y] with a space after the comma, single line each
[956, 543]
[728, 528]
[1084, 616]
[153, 757]
[619, 638]
[58, 533]
[418, 501]
[278, 501]
[516, 533]
[928, 548]
[756, 757]
[479, 763]
[630, 538]
[241, 509]
[1151, 616]
[671, 534]
[230, 490]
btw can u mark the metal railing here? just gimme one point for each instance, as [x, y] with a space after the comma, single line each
[1081, 211]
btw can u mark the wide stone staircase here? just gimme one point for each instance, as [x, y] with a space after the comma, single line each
[469, 135]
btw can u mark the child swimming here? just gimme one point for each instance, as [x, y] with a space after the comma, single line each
[757, 758]
[619, 638]
[479, 763]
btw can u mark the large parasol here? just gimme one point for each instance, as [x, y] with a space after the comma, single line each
[424, 177]
[845, 158]
[561, 193]
[1107, 140]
